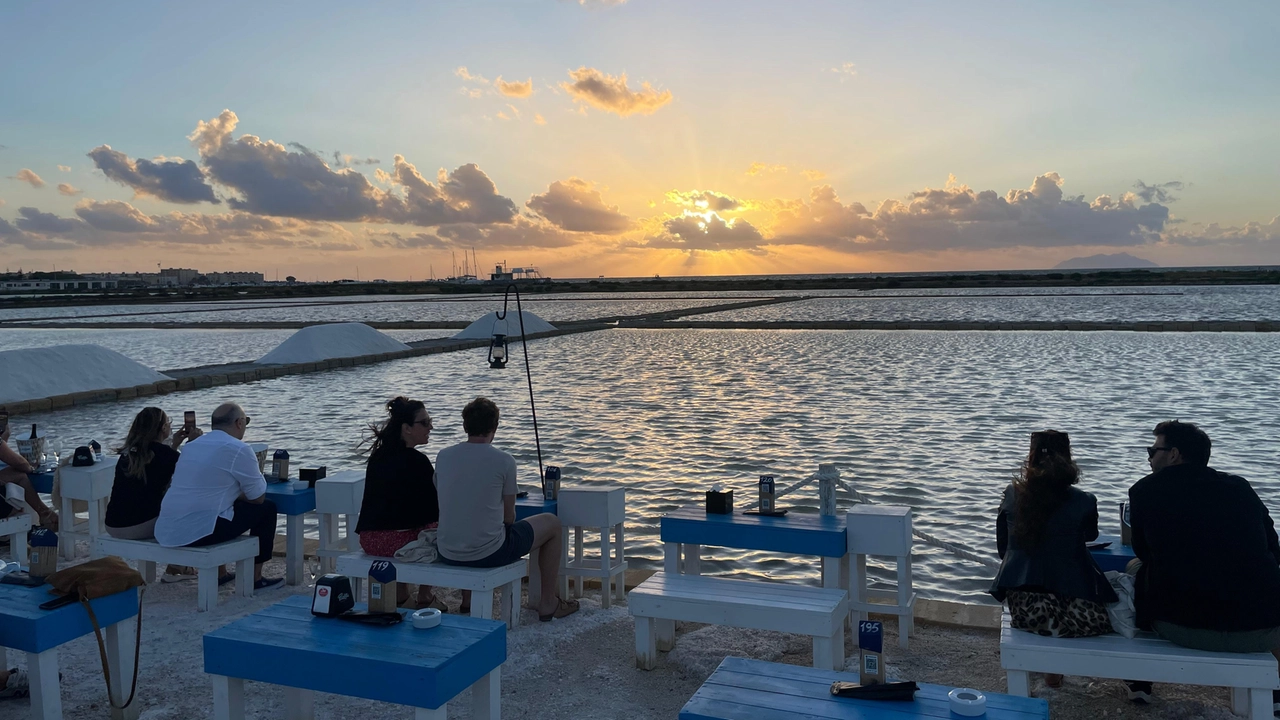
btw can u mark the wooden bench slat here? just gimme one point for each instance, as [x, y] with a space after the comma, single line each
[713, 587]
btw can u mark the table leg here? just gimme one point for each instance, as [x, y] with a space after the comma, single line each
[665, 635]
[482, 604]
[578, 580]
[46, 695]
[440, 713]
[96, 511]
[486, 696]
[228, 698]
[606, 562]
[119, 641]
[858, 593]
[535, 580]
[671, 558]
[148, 569]
[562, 582]
[299, 704]
[293, 550]
[207, 588]
[620, 592]
[1018, 683]
[244, 579]
[692, 559]
[67, 523]
[328, 540]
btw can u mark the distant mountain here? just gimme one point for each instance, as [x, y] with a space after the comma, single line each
[1104, 262]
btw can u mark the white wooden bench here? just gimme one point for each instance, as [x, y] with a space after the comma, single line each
[15, 527]
[1251, 676]
[206, 560]
[482, 582]
[662, 599]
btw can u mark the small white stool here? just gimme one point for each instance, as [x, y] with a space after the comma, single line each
[16, 526]
[602, 508]
[882, 530]
[90, 484]
[340, 494]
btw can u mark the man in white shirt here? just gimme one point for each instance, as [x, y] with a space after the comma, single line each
[476, 484]
[218, 493]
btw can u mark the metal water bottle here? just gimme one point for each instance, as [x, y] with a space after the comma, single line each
[768, 494]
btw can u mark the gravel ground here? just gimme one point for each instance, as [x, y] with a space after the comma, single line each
[581, 666]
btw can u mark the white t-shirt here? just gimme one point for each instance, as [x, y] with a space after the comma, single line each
[213, 471]
[471, 480]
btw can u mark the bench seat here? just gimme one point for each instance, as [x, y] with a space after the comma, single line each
[1251, 676]
[662, 599]
[482, 582]
[206, 560]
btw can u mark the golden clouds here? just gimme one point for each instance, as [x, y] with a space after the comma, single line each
[759, 168]
[514, 89]
[611, 94]
[68, 189]
[29, 177]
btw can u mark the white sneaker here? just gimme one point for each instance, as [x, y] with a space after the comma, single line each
[175, 577]
[17, 687]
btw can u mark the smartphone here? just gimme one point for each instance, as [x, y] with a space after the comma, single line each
[189, 419]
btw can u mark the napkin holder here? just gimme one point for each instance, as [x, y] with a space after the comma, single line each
[719, 503]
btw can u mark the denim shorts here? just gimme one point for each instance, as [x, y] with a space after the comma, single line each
[517, 544]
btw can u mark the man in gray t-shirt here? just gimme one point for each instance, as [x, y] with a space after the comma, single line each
[476, 485]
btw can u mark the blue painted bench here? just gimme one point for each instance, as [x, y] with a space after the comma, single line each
[743, 689]
[1114, 556]
[294, 504]
[424, 669]
[38, 633]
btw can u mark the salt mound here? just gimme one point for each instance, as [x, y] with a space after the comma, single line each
[33, 373]
[326, 342]
[486, 326]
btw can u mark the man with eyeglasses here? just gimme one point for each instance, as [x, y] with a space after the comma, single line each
[218, 493]
[1208, 574]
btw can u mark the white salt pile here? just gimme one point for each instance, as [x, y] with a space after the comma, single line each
[326, 342]
[33, 373]
[489, 324]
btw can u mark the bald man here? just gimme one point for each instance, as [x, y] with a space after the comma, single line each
[218, 493]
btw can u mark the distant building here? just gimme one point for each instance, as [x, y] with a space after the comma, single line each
[180, 277]
[234, 278]
[63, 285]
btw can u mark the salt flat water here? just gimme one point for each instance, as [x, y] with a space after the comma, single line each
[936, 420]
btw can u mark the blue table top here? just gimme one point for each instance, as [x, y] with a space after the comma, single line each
[755, 690]
[290, 501]
[791, 533]
[1114, 556]
[533, 505]
[24, 626]
[286, 645]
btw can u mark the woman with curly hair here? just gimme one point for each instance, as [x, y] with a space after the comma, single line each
[1047, 576]
[399, 489]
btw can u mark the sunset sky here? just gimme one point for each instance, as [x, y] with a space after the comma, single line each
[635, 137]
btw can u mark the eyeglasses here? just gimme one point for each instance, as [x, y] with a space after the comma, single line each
[1151, 451]
[246, 420]
[425, 423]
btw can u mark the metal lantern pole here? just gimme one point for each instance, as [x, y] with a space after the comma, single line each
[533, 408]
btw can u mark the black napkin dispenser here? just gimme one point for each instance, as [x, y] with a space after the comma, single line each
[311, 475]
[332, 596]
[719, 503]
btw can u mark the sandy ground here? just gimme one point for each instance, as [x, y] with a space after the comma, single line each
[579, 667]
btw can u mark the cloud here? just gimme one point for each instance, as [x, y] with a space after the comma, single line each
[173, 180]
[813, 175]
[27, 176]
[524, 232]
[64, 168]
[2, 202]
[463, 73]
[42, 223]
[611, 94]
[1160, 192]
[601, 3]
[538, 119]
[272, 180]
[68, 189]
[846, 71]
[1251, 235]
[473, 93]
[759, 168]
[515, 88]
[706, 231]
[705, 200]
[576, 205]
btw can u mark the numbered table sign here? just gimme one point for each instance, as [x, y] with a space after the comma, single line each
[870, 646]
[382, 587]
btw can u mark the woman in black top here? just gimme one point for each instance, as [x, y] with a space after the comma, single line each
[1047, 576]
[399, 489]
[143, 473]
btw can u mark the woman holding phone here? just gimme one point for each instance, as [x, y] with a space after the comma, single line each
[143, 473]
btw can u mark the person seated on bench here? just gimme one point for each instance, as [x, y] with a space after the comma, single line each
[399, 489]
[218, 493]
[15, 473]
[1048, 578]
[143, 474]
[476, 484]
[1208, 558]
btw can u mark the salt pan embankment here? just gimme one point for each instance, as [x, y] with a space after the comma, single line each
[327, 342]
[32, 373]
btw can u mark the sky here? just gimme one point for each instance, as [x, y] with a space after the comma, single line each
[636, 137]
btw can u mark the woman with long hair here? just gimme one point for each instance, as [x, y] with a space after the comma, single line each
[143, 473]
[399, 488]
[1047, 576]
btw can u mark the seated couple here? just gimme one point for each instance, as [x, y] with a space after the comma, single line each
[1208, 557]
[210, 493]
[469, 497]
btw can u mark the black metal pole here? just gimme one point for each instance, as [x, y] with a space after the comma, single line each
[533, 408]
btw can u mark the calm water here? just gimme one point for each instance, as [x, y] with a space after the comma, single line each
[936, 420]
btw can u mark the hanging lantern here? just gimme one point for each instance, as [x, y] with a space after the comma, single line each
[498, 352]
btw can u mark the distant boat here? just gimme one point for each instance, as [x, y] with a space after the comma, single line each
[502, 274]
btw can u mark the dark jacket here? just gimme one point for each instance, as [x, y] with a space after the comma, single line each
[1060, 564]
[399, 492]
[137, 500]
[1210, 557]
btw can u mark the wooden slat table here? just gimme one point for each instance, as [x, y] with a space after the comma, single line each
[743, 689]
[38, 633]
[424, 669]
[294, 504]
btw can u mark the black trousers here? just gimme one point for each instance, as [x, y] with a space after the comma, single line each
[258, 518]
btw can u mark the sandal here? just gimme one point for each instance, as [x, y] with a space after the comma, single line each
[50, 520]
[563, 609]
